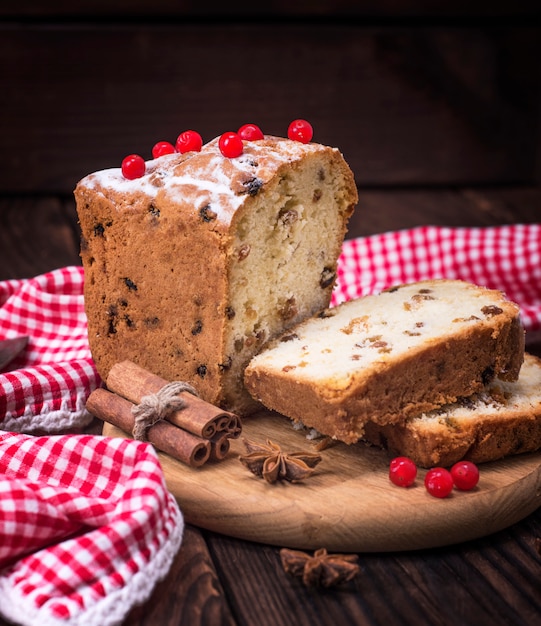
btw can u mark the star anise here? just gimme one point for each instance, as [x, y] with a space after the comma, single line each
[321, 569]
[269, 462]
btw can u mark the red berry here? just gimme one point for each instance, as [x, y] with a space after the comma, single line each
[133, 166]
[161, 148]
[230, 145]
[439, 482]
[402, 471]
[189, 141]
[465, 475]
[250, 132]
[300, 130]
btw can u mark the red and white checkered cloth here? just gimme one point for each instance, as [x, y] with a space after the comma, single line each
[507, 258]
[86, 523]
[87, 527]
[46, 387]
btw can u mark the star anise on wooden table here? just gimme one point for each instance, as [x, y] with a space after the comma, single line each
[320, 569]
[270, 462]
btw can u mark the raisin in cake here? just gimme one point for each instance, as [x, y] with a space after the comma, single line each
[385, 357]
[191, 268]
[502, 420]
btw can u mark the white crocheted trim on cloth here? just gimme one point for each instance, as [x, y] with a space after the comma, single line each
[108, 611]
[51, 422]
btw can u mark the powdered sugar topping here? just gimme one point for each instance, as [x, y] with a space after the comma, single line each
[206, 177]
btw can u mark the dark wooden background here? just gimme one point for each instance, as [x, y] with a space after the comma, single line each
[437, 108]
[414, 93]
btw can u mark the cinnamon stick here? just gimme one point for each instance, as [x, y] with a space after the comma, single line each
[234, 427]
[219, 447]
[199, 417]
[180, 444]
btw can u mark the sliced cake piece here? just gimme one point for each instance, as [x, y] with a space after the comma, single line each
[502, 420]
[382, 358]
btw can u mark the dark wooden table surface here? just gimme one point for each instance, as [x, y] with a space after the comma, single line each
[217, 580]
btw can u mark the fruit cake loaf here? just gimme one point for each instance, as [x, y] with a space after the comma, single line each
[385, 357]
[502, 420]
[190, 268]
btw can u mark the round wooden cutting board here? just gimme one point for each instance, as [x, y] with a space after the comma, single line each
[348, 504]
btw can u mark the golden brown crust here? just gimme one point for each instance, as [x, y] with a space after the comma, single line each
[130, 298]
[503, 421]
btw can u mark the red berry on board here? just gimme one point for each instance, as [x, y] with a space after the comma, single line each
[133, 166]
[465, 475]
[161, 148]
[439, 482]
[189, 141]
[231, 145]
[250, 132]
[300, 130]
[402, 471]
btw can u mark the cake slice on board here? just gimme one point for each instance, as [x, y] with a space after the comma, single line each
[502, 420]
[386, 357]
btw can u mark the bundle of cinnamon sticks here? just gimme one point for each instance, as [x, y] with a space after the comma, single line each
[197, 433]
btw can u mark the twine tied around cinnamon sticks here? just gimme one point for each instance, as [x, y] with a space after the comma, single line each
[158, 406]
[170, 415]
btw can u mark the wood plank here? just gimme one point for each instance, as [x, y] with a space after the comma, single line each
[382, 210]
[407, 106]
[348, 504]
[191, 595]
[493, 580]
[368, 8]
[36, 235]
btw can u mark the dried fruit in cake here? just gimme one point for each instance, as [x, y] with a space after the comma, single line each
[383, 358]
